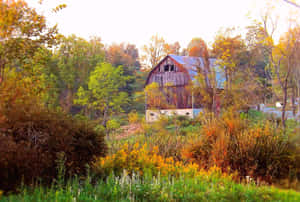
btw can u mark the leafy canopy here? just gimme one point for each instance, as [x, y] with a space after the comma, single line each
[22, 32]
[103, 93]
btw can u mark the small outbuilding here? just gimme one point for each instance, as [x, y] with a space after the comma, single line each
[171, 83]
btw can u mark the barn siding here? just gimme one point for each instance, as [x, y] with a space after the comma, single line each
[173, 78]
[173, 84]
[179, 77]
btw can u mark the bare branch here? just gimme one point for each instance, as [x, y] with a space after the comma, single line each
[292, 3]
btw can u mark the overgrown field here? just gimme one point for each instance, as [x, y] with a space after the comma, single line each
[234, 157]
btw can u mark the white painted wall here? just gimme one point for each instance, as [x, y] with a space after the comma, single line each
[154, 115]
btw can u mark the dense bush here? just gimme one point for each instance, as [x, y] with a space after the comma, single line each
[140, 160]
[259, 151]
[133, 117]
[32, 139]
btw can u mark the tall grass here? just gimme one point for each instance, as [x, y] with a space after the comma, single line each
[170, 135]
[149, 188]
[261, 151]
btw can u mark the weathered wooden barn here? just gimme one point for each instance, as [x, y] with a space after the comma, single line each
[173, 77]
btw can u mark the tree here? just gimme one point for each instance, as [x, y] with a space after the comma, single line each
[296, 76]
[76, 58]
[240, 88]
[229, 51]
[258, 60]
[283, 57]
[159, 97]
[172, 48]
[22, 32]
[102, 95]
[198, 48]
[154, 51]
[43, 71]
[284, 60]
[125, 55]
[206, 86]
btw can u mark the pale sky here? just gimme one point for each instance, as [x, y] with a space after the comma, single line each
[135, 21]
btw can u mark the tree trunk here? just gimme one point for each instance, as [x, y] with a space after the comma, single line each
[213, 107]
[66, 100]
[2, 67]
[298, 100]
[284, 105]
[293, 99]
[104, 120]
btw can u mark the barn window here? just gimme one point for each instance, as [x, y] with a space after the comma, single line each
[172, 68]
[166, 67]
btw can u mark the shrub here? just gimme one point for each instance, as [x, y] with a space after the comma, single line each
[133, 117]
[168, 134]
[112, 125]
[32, 138]
[232, 143]
[140, 160]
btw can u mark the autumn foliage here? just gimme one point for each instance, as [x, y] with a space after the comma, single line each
[233, 144]
[32, 138]
[139, 160]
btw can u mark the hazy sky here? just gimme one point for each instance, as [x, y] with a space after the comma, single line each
[135, 21]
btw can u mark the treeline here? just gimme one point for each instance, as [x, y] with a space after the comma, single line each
[70, 74]
[80, 76]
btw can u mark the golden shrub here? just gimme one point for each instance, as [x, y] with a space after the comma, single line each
[133, 117]
[252, 150]
[140, 160]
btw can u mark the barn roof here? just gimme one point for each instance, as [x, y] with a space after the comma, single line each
[192, 63]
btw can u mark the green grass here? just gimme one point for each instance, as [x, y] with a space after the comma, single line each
[149, 188]
[254, 116]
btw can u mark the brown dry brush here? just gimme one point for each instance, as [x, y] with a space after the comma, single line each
[32, 137]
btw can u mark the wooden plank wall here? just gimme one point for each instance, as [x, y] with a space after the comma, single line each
[173, 84]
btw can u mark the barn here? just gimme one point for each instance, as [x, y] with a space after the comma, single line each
[169, 86]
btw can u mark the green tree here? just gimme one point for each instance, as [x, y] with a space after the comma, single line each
[43, 71]
[76, 58]
[125, 55]
[258, 60]
[102, 95]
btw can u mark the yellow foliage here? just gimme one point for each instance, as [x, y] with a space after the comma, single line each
[133, 117]
[140, 160]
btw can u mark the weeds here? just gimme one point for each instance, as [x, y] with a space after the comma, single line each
[149, 188]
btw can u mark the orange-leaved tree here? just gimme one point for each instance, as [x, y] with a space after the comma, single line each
[22, 32]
